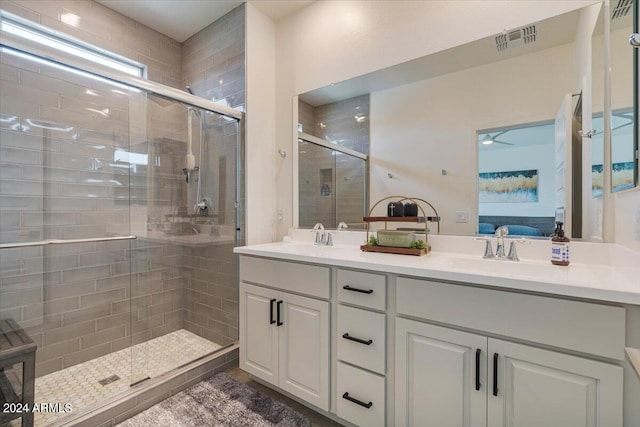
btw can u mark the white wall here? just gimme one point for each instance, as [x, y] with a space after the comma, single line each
[260, 127]
[330, 41]
[419, 129]
[538, 157]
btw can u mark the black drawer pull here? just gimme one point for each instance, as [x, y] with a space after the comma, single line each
[363, 291]
[271, 319]
[347, 337]
[359, 402]
[477, 369]
[495, 374]
[279, 322]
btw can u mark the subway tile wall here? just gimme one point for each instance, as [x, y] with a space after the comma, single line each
[344, 122]
[213, 60]
[214, 67]
[347, 124]
[58, 179]
[105, 28]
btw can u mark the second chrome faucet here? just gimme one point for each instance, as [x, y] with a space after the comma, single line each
[501, 233]
[322, 238]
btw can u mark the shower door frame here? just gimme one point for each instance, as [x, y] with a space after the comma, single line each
[302, 136]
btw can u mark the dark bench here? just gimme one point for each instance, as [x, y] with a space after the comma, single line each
[16, 347]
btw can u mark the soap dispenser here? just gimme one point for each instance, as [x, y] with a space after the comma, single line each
[559, 246]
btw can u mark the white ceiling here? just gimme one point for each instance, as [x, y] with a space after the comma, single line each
[180, 19]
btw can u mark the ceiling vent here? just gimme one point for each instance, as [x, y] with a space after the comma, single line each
[521, 36]
[622, 9]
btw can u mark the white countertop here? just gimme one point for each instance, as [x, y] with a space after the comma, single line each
[589, 280]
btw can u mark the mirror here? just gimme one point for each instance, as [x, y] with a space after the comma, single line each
[516, 181]
[623, 147]
[425, 115]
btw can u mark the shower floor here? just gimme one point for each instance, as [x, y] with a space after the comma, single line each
[80, 385]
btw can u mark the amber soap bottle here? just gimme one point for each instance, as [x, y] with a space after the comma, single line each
[559, 246]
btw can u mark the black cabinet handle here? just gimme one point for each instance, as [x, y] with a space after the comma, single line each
[359, 402]
[347, 337]
[271, 319]
[478, 369]
[279, 322]
[495, 374]
[362, 291]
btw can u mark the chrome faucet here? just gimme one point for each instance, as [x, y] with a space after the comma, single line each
[513, 254]
[322, 238]
[488, 249]
[501, 233]
[343, 225]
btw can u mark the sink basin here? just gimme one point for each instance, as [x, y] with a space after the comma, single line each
[531, 269]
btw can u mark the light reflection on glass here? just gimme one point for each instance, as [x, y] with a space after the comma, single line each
[44, 126]
[64, 67]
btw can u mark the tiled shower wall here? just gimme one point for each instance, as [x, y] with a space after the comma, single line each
[79, 309]
[347, 124]
[213, 60]
[213, 66]
[105, 28]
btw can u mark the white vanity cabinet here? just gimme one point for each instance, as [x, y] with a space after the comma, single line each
[441, 376]
[361, 347]
[447, 377]
[535, 387]
[374, 349]
[284, 337]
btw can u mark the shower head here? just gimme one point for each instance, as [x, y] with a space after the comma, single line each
[189, 90]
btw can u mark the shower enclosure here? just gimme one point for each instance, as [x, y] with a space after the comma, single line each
[116, 248]
[332, 184]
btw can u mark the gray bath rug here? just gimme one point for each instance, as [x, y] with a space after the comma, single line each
[220, 401]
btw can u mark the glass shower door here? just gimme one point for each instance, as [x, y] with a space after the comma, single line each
[331, 186]
[65, 193]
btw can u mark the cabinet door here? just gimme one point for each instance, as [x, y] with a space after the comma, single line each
[304, 349]
[544, 388]
[258, 336]
[436, 383]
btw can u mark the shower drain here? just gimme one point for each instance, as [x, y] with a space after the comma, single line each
[109, 380]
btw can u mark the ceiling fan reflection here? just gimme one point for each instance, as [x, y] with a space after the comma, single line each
[488, 139]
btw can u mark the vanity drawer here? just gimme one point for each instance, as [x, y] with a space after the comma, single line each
[585, 327]
[363, 289]
[361, 338]
[305, 279]
[367, 389]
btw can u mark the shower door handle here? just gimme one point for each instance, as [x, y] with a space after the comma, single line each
[279, 323]
[271, 319]
[65, 242]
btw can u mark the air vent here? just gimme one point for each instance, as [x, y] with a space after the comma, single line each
[622, 9]
[514, 38]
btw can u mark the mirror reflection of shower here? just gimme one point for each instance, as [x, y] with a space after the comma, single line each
[202, 205]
